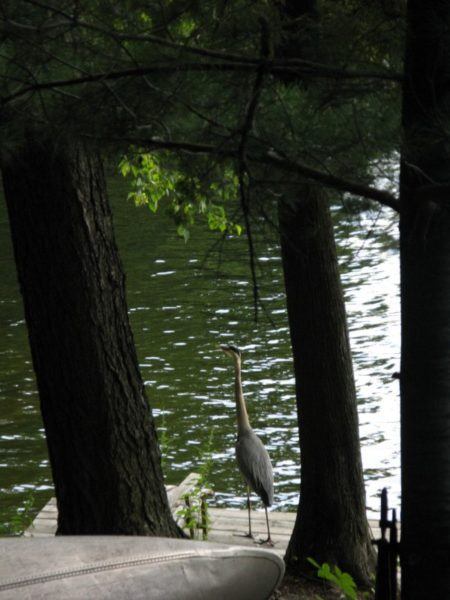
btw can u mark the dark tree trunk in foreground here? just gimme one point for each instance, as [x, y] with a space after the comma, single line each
[425, 292]
[100, 433]
[331, 522]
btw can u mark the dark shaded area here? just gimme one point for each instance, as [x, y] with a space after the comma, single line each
[100, 434]
[425, 292]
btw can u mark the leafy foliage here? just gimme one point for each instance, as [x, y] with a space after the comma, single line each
[195, 512]
[341, 580]
[181, 71]
[186, 196]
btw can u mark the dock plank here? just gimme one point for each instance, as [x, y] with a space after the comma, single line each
[45, 523]
[227, 525]
[239, 513]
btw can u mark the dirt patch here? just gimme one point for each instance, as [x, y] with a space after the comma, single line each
[293, 588]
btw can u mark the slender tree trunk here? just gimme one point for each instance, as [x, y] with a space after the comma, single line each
[331, 522]
[100, 433]
[425, 293]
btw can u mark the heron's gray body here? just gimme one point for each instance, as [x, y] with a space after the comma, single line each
[254, 463]
[252, 458]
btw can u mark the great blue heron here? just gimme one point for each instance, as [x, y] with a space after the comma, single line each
[252, 458]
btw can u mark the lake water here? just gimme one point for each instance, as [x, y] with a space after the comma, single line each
[186, 299]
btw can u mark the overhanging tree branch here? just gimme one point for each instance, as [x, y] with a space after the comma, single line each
[333, 181]
[305, 66]
[273, 158]
[168, 68]
[175, 67]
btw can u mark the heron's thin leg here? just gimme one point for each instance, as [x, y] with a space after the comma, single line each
[269, 539]
[250, 535]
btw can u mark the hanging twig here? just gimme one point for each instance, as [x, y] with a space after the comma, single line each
[242, 164]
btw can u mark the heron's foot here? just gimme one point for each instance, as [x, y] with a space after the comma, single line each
[267, 542]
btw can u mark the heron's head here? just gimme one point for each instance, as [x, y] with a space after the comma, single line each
[231, 350]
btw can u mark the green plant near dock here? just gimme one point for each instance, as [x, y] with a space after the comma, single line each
[195, 511]
[339, 579]
[195, 514]
[21, 519]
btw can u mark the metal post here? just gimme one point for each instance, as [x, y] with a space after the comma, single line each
[386, 576]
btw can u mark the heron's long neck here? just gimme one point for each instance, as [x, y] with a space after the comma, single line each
[242, 416]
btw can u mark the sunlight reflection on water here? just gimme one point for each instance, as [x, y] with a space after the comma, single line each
[181, 308]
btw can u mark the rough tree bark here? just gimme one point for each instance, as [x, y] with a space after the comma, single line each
[425, 293]
[100, 433]
[331, 523]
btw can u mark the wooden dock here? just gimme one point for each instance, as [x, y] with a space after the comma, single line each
[226, 525]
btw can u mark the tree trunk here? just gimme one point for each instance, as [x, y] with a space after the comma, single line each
[425, 293]
[331, 522]
[100, 433]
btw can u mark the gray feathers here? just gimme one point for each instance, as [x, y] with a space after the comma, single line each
[254, 463]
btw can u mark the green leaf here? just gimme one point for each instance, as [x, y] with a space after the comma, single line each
[124, 167]
[313, 562]
[152, 203]
[183, 232]
[348, 586]
[140, 199]
[343, 581]
[324, 569]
